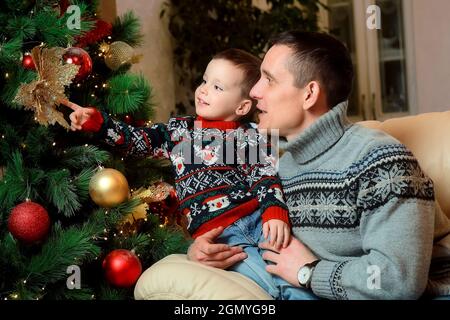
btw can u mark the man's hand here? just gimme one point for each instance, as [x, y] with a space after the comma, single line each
[79, 115]
[221, 256]
[287, 260]
[279, 233]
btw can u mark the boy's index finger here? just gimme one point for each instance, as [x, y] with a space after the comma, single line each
[69, 104]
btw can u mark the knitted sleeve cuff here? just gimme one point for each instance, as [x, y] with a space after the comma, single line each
[94, 123]
[278, 213]
[321, 283]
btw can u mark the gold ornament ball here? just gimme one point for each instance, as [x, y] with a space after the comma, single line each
[118, 54]
[108, 188]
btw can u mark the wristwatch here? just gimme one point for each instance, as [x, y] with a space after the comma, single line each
[304, 274]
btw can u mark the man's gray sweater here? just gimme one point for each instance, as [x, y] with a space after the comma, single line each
[359, 200]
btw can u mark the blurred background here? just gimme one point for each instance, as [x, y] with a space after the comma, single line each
[402, 69]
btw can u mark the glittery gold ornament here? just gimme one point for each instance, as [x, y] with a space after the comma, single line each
[43, 95]
[108, 188]
[149, 196]
[118, 54]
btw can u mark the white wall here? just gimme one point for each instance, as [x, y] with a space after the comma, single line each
[157, 62]
[431, 22]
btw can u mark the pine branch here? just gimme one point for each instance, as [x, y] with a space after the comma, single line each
[61, 292]
[38, 142]
[81, 183]
[62, 192]
[109, 293]
[9, 143]
[83, 156]
[64, 248]
[11, 261]
[115, 216]
[127, 28]
[165, 241]
[138, 242]
[54, 30]
[106, 219]
[16, 78]
[10, 51]
[16, 182]
[21, 27]
[128, 93]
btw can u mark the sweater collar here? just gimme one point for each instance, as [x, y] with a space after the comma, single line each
[218, 124]
[320, 136]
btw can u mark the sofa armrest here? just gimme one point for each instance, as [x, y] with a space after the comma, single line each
[177, 278]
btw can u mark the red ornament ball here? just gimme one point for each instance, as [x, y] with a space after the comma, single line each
[29, 222]
[140, 123]
[122, 268]
[27, 62]
[81, 58]
[128, 119]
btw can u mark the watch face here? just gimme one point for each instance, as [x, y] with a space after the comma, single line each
[303, 275]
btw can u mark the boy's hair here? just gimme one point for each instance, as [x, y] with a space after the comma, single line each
[250, 66]
[320, 57]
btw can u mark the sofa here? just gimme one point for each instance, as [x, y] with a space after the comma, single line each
[174, 277]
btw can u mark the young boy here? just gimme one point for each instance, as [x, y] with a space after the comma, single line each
[235, 194]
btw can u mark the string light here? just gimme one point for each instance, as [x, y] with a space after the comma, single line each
[78, 85]
[7, 75]
[54, 144]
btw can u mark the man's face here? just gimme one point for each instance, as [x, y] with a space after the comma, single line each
[280, 102]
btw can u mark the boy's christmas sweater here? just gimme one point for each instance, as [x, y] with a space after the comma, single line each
[224, 170]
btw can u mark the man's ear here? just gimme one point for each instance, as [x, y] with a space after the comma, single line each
[244, 107]
[311, 94]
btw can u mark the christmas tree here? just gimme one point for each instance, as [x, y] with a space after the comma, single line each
[65, 223]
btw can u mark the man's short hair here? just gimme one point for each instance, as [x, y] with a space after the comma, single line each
[319, 57]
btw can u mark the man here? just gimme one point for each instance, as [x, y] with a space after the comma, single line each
[362, 211]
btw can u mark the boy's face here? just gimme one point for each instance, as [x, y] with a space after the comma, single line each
[219, 94]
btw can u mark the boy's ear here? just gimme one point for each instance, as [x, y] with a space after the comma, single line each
[244, 107]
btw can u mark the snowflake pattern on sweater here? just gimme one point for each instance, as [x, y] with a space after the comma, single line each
[214, 182]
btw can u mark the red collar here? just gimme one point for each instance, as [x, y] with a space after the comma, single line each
[218, 124]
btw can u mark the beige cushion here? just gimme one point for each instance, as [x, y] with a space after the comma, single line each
[176, 278]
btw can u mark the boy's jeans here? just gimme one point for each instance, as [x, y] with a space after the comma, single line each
[247, 233]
